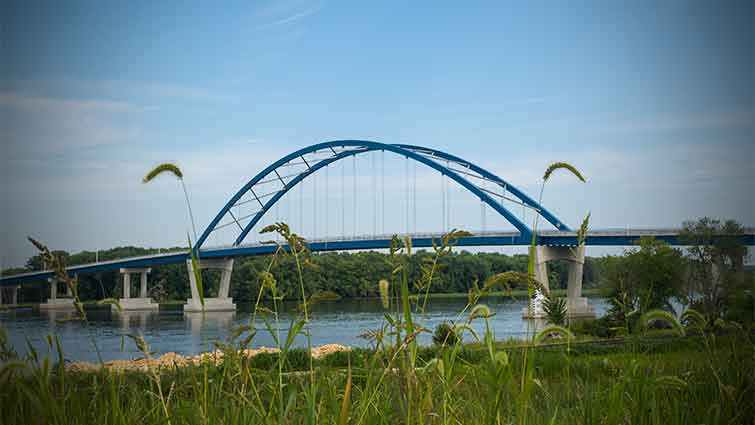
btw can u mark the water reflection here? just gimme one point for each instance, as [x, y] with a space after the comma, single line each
[134, 321]
[191, 333]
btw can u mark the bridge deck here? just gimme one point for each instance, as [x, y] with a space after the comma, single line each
[606, 237]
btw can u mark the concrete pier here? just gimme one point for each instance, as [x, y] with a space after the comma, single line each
[55, 303]
[10, 296]
[576, 305]
[220, 303]
[143, 301]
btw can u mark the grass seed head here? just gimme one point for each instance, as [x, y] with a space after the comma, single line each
[163, 168]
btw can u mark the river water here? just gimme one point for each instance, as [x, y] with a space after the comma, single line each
[339, 322]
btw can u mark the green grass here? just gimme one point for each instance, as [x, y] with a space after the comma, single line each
[646, 382]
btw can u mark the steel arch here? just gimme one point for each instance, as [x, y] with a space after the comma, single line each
[552, 219]
[362, 146]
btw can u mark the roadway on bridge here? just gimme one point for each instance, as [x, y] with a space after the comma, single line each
[609, 237]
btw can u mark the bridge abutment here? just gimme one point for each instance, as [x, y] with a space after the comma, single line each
[576, 305]
[143, 301]
[55, 303]
[220, 303]
[12, 299]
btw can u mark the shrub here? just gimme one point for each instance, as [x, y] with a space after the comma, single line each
[445, 335]
[594, 327]
[555, 310]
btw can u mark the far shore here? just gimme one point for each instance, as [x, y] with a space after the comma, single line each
[514, 294]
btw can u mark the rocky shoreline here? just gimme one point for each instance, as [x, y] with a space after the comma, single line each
[173, 360]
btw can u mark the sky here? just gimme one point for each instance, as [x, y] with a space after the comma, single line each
[652, 101]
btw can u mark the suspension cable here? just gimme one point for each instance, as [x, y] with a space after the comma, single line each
[449, 188]
[382, 186]
[314, 205]
[374, 194]
[277, 217]
[414, 198]
[343, 199]
[482, 216]
[327, 194]
[354, 185]
[443, 202]
[406, 181]
[301, 208]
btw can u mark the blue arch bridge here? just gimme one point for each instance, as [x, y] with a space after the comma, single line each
[245, 210]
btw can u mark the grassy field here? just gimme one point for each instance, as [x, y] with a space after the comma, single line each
[640, 381]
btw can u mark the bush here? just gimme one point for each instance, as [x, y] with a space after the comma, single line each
[445, 335]
[600, 328]
[555, 310]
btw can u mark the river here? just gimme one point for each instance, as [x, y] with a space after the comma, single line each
[339, 322]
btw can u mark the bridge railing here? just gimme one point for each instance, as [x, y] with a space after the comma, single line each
[606, 237]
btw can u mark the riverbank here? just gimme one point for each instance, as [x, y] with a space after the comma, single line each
[640, 381]
[173, 360]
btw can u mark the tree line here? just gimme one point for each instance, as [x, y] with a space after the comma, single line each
[349, 275]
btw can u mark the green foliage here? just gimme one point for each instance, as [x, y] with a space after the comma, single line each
[646, 278]
[600, 328]
[445, 335]
[555, 310]
[552, 331]
[647, 319]
[666, 382]
[717, 282]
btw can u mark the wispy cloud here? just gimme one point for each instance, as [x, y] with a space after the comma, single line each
[38, 103]
[287, 14]
[154, 90]
[141, 92]
[47, 126]
[742, 118]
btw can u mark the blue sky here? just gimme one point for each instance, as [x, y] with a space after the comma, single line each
[652, 101]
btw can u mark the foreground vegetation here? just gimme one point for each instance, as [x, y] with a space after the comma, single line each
[700, 379]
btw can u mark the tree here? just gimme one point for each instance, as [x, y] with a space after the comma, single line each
[36, 262]
[646, 278]
[716, 263]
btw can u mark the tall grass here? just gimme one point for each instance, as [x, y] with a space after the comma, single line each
[676, 381]
[194, 254]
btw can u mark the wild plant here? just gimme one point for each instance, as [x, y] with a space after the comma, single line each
[527, 366]
[194, 256]
[296, 246]
[155, 375]
[555, 310]
[57, 264]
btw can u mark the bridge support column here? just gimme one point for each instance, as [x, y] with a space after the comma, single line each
[220, 303]
[577, 305]
[13, 300]
[14, 295]
[55, 303]
[143, 302]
